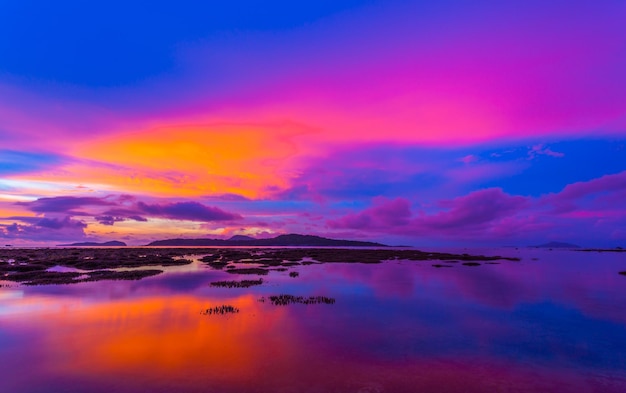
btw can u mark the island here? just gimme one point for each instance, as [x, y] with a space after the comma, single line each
[94, 244]
[557, 245]
[291, 240]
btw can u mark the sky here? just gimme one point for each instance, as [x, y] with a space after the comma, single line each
[424, 123]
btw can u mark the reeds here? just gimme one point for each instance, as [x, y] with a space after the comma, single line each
[284, 300]
[220, 310]
[237, 284]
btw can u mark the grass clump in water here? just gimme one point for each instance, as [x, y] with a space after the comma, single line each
[284, 300]
[237, 284]
[220, 310]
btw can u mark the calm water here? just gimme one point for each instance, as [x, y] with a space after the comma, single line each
[554, 324]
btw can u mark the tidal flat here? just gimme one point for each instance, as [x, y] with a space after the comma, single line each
[34, 266]
[311, 320]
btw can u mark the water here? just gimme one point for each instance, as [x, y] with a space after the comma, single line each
[554, 324]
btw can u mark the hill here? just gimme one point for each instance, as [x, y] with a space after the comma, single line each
[290, 240]
[94, 244]
[557, 245]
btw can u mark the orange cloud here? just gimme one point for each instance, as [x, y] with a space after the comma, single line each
[248, 160]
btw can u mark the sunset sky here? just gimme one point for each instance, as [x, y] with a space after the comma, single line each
[424, 123]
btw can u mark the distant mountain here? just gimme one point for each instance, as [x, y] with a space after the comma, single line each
[278, 241]
[240, 238]
[557, 245]
[94, 244]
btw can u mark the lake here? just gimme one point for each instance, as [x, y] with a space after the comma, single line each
[553, 322]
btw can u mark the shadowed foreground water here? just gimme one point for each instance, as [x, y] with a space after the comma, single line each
[553, 322]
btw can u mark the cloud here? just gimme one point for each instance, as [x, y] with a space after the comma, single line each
[64, 204]
[468, 159]
[45, 229]
[55, 223]
[109, 220]
[604, 193]
[192, 211]
[475, 209]
[591, 212]
[384, 213]
[125, 207]
[539, 149]
[480, 214]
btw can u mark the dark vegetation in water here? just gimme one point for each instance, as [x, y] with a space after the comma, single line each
[237, 284]
[214, 261]
[39, 277]
[220, 310]
[471, 264]
[251, 270]
[121, 275]
[287, 257]
[45, 278]
[284, 300]
[29, 266]
[294, 274]
[440, 265]
[280, 269]
[623, 273]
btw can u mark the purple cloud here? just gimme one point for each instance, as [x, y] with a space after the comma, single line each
[483, 213]
[44, 229]
[604, 193]
[109, 220]
[587, 212]
[63, 204]
[475, 209]
[193, 211]
[540, 149]
[56, 223]
[384, 213]
[111, 216]
[123, 208]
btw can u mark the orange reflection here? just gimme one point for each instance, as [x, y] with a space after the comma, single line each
[166, 335]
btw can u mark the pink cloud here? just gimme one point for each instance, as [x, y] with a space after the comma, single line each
[479, 213]
[603, 193]
[468, 159]
[186, 211]
[384, 213]
[588, 212]
[540, 149]
[473, 210]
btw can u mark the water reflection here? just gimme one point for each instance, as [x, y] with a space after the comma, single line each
[551, 325]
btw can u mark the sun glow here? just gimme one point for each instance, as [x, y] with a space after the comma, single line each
[192, 161]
